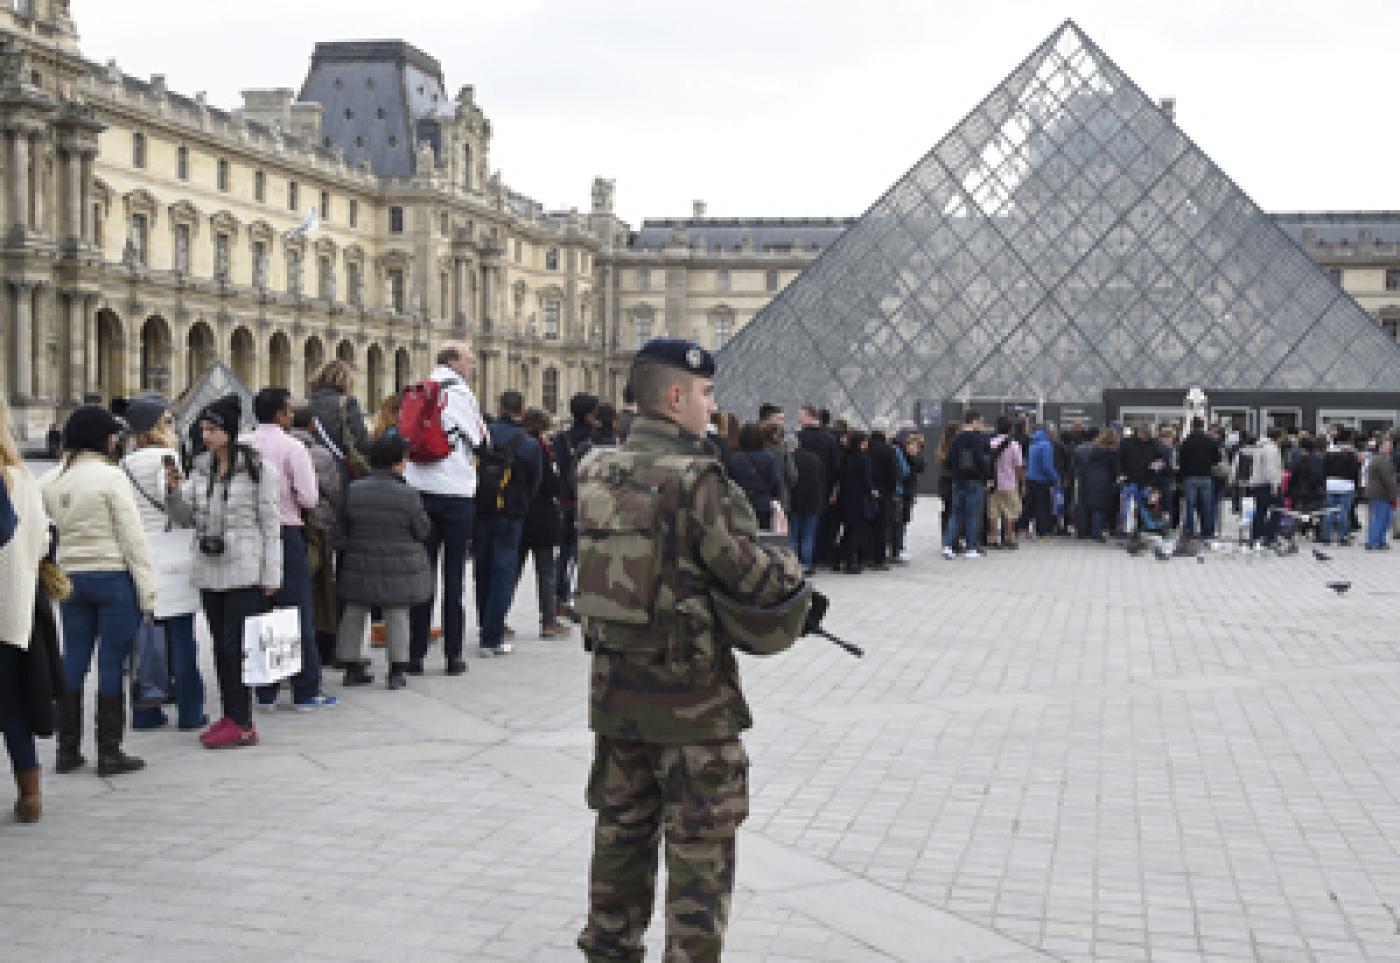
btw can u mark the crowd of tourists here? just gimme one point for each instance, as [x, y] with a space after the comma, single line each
[843, 496]
[1008, 482]
[359, 529]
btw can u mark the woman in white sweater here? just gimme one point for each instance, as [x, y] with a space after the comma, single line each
[153, 447]
[102, 547]
[19, 572]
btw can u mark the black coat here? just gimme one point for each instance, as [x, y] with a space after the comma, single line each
[884, 465]
[383, 528]
[43, 677]
[824, 445]
[541, 528]
[810, 493]
[757, 474]
[1097, 479]
[854, 499]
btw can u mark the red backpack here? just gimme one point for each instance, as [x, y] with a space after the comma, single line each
[420, 421]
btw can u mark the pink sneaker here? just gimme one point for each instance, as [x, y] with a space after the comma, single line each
[232, 736]
[214, 730]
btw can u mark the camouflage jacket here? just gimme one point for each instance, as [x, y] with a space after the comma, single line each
[662, 532]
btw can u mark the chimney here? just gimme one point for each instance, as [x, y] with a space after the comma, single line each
[1169, 108]
[697, 209]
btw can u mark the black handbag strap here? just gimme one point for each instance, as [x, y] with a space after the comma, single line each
[137, 485]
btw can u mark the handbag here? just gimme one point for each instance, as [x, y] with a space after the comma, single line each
[150, 675]
[271, 646]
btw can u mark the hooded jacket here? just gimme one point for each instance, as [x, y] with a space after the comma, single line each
[1040, 466]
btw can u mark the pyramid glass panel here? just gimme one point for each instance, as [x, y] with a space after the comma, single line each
[1065, 239]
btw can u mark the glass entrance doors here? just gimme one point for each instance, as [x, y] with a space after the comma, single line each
[1367, 422]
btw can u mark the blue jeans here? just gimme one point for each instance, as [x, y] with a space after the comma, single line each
[567, 553]
[1199, 497]
[1340, 520]
[967, 512]
[189, 684]
[1130, 499]
[451, 517]
[19, 738]
[1378, 526]
[495, 547]
[1266, 520]
[802, 536]
[295, 593]
[102, 613]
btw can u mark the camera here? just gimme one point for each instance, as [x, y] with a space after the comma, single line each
[211, 544]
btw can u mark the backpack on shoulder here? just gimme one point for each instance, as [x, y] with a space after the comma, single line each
[420, 421]
[495, 471]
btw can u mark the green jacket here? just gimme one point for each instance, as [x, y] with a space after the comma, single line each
[666, 540]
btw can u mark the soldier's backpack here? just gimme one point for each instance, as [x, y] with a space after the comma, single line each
[498, 492]
[420, 421]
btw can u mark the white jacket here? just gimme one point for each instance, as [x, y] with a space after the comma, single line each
[20, 557]
[461, 419]
[99, 526]
[168, 542]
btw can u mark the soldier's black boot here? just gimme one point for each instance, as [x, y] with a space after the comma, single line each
[111, 719]
[70, 732]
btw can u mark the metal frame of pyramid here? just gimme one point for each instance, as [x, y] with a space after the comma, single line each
[1063, 240]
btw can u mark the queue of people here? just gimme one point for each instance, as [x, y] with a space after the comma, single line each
[1003, 484]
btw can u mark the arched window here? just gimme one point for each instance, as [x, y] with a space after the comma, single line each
[549, 390]
[138, 149]
[182, 162]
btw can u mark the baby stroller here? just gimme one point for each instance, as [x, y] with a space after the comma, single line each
[1149, 525]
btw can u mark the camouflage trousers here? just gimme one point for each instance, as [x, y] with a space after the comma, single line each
[699, 794]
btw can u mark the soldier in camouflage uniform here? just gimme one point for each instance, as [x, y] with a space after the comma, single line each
[671, 580]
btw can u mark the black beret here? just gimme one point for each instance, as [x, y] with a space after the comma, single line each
[679, 353]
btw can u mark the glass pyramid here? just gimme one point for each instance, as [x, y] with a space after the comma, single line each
[1065, 238]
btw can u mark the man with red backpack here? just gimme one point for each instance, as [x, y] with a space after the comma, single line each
[442, 425]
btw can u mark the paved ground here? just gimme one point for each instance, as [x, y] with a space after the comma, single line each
[1061, 753]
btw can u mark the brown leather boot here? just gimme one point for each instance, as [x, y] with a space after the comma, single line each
[29, 806]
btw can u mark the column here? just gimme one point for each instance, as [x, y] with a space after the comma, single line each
[36, 186]
[486, 288]
[89, 227]
[456, 290]
[17, 145]
[69, 302]
[24, 340]
[43, 317]
[89, 310]
[73, 170]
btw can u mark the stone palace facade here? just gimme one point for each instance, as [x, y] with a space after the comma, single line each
[147, 233]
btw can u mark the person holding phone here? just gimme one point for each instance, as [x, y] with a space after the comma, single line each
[231, 500]
[152, 456]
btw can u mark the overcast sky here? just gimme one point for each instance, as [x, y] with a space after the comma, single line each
[813, 108]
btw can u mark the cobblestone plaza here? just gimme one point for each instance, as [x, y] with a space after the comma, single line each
[1123, 759]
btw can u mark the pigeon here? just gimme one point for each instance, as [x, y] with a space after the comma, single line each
[1321, 556]
[1339, 587]
[1200, 559]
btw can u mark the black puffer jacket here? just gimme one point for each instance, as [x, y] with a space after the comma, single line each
[383, 528]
